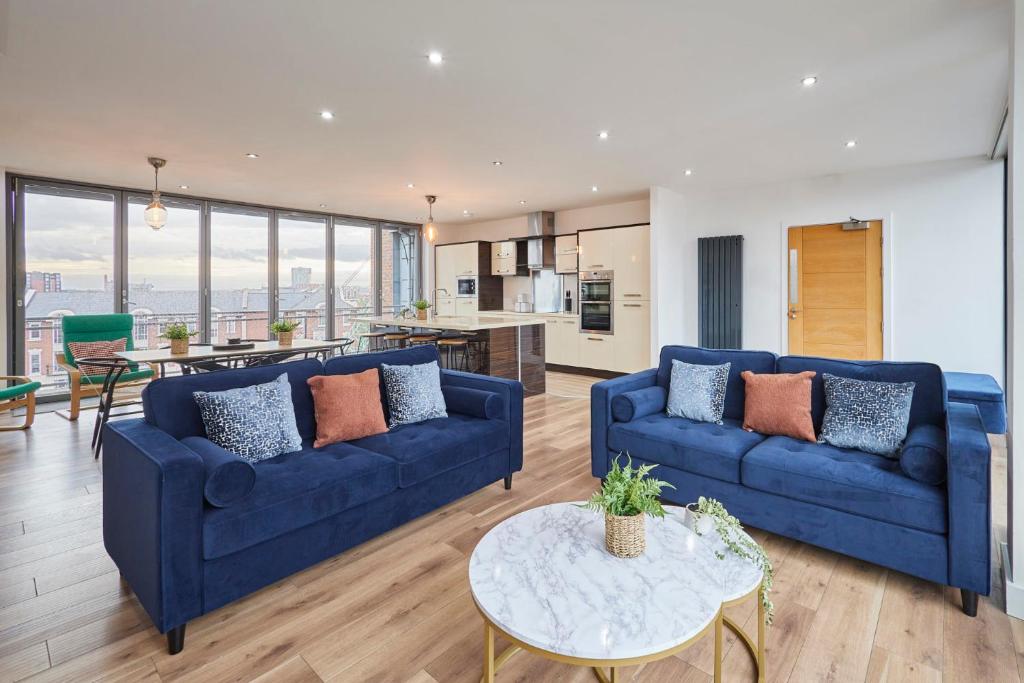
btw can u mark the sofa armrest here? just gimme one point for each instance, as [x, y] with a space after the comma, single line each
[511, 393]
[968, 483]
[638, 403]
[601, 396]
[474, 402]
[153, 518]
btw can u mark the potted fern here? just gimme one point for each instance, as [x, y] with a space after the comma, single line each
[179, 335]
[421, 306]
[627, 495]
[284, 329]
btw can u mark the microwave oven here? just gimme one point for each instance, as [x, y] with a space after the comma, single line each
[466, 286]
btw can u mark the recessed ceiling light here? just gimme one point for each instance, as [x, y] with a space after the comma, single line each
[603, 135]
[593, 188]
[522, 202]
[410, 185]
[183, 187]
[323, 206]
[688, 171]
[251, 155]
[850, 144]
[496, 162]
[435, 57]
[326, 115]
[808, 81]
[465, 212]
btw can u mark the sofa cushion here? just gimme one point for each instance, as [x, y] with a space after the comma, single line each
[229, 477]
[755, 361]
[347, 406]
[297, 489]
[639, 403]
[428, 448]
[413, 393]
[697, 392]
[924, 455]
[844, 479]
[867, 416]
[779, 404]
[928, 406]
[700, 447]
[358, 362]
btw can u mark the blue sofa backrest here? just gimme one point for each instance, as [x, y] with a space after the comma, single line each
[928, 406]
[413, 355]
[168, 403]
[755, 361]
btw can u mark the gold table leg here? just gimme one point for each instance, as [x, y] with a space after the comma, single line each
[718, 646]
[488, 654]
[613, 676]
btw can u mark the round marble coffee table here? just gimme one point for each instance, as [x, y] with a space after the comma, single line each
[543, 580]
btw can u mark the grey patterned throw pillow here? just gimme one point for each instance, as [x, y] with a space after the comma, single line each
[869, 416]
[697, 391]
[414, 393]
[256, 422]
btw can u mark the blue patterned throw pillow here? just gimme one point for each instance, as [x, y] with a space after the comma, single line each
[869, 416]
[697, 392]
[414, 393]
[256, 422]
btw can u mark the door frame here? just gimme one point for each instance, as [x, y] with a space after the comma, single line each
[888, 242]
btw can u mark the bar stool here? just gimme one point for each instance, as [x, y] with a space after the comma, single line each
[374, 340]
[421, 338]
[454, 352]
[395, 340]
[477, 352]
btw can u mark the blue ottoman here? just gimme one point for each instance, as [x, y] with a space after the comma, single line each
[984, 392]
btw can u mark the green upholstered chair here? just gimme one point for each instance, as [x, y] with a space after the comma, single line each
[86, 328]
[21, 394]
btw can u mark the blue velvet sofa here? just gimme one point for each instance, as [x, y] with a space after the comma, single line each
[852, 502]
[184, 557]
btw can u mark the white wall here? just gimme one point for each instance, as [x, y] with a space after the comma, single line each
[669, 307]
[4, 370]
[943, 251]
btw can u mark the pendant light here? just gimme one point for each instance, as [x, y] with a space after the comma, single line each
[156, 212]
[429, 230]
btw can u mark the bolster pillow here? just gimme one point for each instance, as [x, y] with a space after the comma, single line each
[924, 455]
[636, 404]
[229, 478]
[473, 402]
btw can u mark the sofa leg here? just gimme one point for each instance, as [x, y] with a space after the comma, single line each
[508, 482]
[176, 640]
[970, 602]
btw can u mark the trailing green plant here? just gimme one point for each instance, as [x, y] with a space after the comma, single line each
[731, 532]
[283, 325]
[177, 331]
[421, 304]
[629, 491]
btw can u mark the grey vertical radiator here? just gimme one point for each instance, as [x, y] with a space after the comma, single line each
[720, 285]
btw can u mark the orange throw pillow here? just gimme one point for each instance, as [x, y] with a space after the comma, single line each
[779, 404]
[347, 406]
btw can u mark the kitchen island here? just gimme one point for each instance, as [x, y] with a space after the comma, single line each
[511, 346]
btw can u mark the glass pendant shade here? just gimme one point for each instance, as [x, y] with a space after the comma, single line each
[156, 214]
[431, 232]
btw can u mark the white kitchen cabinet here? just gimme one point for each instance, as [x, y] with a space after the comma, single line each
[566, 252]
[503, 265]
[505, 249]
[597, 351]
[444, 305]
[597, 250]
[562, 341]
[553, 352]
[466, 305]
[632, 254]
[467, 258]
[445, 271]
[632, 326]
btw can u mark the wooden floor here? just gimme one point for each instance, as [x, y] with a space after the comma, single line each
[398, 608]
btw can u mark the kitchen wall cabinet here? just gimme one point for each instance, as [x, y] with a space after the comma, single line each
[566, 254]
[597, 250]
[506, 249]
[632, 254]
[467, 258]
[632, 321]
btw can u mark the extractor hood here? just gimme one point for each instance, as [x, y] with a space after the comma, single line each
[540, 244]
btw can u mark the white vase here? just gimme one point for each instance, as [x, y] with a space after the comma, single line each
[696, 522]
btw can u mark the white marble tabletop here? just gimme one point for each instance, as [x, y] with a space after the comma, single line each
[545, 577]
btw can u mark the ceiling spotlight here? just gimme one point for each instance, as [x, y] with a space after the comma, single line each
[435, 57]
[522, 202]
[467, 212]
[326, 115]
[688, 172]
[496, 162]
[251, 155]
[323, 206]
[808, 81]
[410, 185]
[850, 144]
[593, 188]
[183, 187]
[603, 135]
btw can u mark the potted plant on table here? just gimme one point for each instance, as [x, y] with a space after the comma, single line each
[626, 496]
[179, 335]
[284, 329]
[421, 306]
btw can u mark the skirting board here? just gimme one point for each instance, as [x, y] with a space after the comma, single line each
[1014, 591]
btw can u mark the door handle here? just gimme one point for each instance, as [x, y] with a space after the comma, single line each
[793, 312]
[595, 339]
[632, 306]
[632, 295]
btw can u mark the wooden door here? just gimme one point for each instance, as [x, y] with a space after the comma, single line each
[835, 291]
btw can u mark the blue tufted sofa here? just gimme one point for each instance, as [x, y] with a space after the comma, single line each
[183, 557]
[848, 501]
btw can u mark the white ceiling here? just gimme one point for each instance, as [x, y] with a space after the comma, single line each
[89, 89]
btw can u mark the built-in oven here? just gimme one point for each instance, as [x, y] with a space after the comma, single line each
[467, 286]
[596, 302]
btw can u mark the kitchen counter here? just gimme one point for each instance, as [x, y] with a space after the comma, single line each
[509, 345]
[543, 315]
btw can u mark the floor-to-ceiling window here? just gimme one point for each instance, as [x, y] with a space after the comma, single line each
[240, 269]
[222, 268]
[68, 267]
[302, 273]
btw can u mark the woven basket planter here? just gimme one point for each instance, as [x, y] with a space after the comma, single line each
[285, 338]
[179, 346]
[624, 536]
